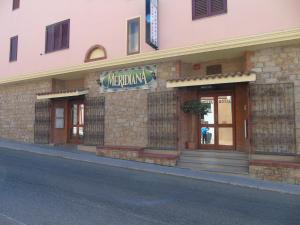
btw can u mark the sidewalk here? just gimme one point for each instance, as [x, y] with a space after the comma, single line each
[199, 175]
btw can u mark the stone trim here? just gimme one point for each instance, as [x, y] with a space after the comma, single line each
[137, 154]
[211, 80]
[275, 164]
[62, 94]
[121, 148]
[89, 53]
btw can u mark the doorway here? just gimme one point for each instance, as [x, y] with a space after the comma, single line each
[217, 127]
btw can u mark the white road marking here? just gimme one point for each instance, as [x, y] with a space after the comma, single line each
[12, 219]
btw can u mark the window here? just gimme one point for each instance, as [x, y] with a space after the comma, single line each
[214, 69]
[13, 53]
[205, 8]
[133, 36]
[96, 52]
[59, 118]
[16, 4]
[57, 36]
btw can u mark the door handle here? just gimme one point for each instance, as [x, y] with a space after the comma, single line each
[245, 130]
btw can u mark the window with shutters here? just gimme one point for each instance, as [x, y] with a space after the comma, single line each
[57, 36]
[133, 36]
[205, 8]
[13, 54]
[16, 4]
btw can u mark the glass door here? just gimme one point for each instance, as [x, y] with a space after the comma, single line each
[216, 127]
[76, 122]
[207, 129]
[225, 121]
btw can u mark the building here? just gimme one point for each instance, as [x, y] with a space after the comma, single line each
[116, 75]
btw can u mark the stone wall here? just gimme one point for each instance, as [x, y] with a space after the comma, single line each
[126, 111]
[138, 154]
[280, 65]
[17, 105]
[228, 66]
[275, 173]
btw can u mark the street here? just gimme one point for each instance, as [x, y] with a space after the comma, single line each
[43, 190]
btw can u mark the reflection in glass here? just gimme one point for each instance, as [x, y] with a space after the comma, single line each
[59, 118]
[209, 117]
[207, 135]
[59, 123]
[225, 136]
[74, 131]
[224, 110]
[81, 114]
[74, 114]
[77, 118]
[80, 132]
[133, 35]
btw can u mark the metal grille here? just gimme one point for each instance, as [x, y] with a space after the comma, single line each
[162, 120]
[94, 119]
[42, 122]
[273, 118]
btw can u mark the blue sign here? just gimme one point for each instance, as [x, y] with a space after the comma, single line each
[152, 23]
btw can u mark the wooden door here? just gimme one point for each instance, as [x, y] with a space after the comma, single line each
[217, 127]
[59, 121]
[242, 117]
[76, 122]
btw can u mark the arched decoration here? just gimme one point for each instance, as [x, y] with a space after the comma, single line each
[96, 52]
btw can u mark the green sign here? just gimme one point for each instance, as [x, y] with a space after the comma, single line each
[143, 77]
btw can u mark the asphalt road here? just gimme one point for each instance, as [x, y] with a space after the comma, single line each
[42, 190]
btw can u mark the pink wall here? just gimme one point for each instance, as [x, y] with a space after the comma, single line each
[104, 22]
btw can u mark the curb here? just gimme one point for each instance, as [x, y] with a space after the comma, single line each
[246, 182]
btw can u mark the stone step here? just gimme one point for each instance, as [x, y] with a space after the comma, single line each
[215, 151]
[215, 154]
[214, 161]
[220, 171]
[211, 165]
[215, 168]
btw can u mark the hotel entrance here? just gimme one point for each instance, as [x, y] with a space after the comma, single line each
[69, 117]
[226, 125]
[68, 121]
[217, 130]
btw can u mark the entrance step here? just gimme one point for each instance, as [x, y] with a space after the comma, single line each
[215, 161]
[215, 154]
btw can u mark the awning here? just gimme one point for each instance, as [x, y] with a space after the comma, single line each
[211, 79]
[62, 94]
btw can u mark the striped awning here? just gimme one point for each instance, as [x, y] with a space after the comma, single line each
[225, 78]
[62, 94]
